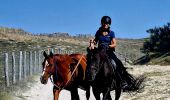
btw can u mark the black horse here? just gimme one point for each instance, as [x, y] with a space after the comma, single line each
[104, 77]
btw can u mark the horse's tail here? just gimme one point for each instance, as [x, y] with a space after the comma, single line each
[134, 84]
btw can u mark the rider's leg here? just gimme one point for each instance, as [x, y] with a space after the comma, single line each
[88, 70]
[121, 70]
[128, 81]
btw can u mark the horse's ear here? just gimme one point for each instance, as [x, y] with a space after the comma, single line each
[88, 49]
[51, 54]
[45, 54]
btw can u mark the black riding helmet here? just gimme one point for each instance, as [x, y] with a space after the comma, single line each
[106, 20]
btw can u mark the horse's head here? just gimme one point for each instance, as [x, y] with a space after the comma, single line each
[93, 62]
[95, 57]
[48, 67]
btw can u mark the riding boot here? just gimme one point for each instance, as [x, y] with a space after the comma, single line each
[119, 73]
[124, 83]
[122, 74]
[88, 75]
[129, 82]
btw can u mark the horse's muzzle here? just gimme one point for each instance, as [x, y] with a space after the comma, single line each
[43, 80]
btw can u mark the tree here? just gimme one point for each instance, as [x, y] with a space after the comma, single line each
[159, 39]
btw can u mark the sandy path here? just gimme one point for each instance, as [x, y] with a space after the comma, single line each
[157, 87]
[39, 91]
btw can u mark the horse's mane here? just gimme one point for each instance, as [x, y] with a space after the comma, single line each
[100, 54]
[63, 58]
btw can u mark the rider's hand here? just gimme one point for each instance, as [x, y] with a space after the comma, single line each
[91, 46]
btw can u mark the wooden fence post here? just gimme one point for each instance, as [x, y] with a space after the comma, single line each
[13, 68]
[20, 65]
[68, 51]
[25, 63]
[39, 61]
[6, 70]
[65, 52]
[48, 50]
[30, 63]
[52, 50]
[35, 62]
[59, 51]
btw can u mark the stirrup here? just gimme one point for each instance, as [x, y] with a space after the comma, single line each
[124, 85]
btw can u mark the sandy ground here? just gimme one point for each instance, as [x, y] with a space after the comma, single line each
[157, 87]
[40, 91]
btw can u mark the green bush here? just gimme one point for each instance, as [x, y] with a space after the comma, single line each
[159, 40]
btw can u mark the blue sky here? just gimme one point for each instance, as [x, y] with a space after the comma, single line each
[130, 18]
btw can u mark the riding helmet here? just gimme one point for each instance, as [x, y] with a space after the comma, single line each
[106, 20]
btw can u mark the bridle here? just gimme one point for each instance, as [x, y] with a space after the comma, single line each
[101, 63]
[59, 86]
[50, 73]
[44, 69]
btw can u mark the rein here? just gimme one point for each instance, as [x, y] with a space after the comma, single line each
[113, 81]
[59, 86]
[74, 69]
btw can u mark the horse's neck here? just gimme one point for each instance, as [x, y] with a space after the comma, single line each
[106, 64]
[60, 68]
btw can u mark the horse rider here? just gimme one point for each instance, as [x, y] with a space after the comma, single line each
[105, 37]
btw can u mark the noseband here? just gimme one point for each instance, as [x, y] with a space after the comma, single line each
[60, 87]
[50, 74]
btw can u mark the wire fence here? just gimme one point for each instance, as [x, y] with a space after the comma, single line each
[17, 66]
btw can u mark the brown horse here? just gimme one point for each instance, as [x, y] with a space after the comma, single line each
[67, 72]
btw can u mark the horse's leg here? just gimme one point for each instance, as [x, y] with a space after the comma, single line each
[74, 94]
[109, 96]
[56, 93]
[106, 94]
[88, 93]
[96, 93]
[117, 93]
